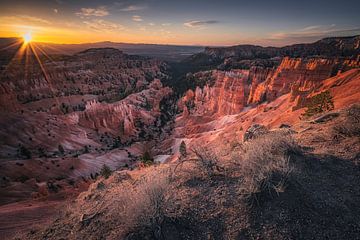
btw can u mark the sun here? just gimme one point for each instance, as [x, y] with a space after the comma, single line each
[27, 38]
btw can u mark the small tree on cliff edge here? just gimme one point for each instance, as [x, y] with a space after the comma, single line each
[182, 149]
[105, 171]
[319, 103]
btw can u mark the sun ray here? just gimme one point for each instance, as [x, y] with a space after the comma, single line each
[11, 45]
[45, 54]
[46, 75]
[18, 56]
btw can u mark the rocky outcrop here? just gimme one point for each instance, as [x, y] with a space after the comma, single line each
[227, 96]
[233, 90]
[123, 117]
[297, 74]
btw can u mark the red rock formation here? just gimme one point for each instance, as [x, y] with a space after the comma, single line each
[227, 96]
[233, 90]
[257, 76]
[123, 114]
[301, 74]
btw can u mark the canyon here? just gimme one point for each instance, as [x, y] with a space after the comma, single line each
[64, 117]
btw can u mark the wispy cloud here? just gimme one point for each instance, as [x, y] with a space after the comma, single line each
[310, 28]
[55, 10]
[25, 19]
[137, 18]
[196, 24]
[101, 25]
[95, 12]
[314, 32]
[132, 8]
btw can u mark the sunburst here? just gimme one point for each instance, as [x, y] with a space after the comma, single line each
[27, 38]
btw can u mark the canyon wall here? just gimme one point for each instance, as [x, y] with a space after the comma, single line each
[235, 89]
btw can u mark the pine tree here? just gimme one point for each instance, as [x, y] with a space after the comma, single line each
[182, 149]
[321, 102]
[105, 171]
[61, 149]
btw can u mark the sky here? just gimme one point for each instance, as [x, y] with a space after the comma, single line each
[186, 22]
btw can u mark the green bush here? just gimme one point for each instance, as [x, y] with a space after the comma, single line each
[105, 171]
[147, 159]
[182, 149]
[61, 149]
[24, 152]
[322, 102]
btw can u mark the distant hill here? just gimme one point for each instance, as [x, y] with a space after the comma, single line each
[163, 52]
[327, 47]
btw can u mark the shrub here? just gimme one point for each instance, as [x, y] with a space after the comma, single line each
[351, 126]
[146, 205]
[182, 149]
[61, 149]
[208, 161]
[86, 149]
[322, 102]
[105, 171]
[24, 152]
[23, 178]
[116, 142]
[264, 164]
[254, 131]
[146, 158]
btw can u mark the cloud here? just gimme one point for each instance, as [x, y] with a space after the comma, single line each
[137, 18]
[165, 24]
[310, 28]
[314, 32]
[25, 19]
[101, 25]
[55, 10]
[96, 12]
[151, 24]
[196, 24]
[129, 5]
[132, 8]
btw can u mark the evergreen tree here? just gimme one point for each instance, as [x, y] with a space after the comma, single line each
[321, 102]
[105, 171]
[182, 149]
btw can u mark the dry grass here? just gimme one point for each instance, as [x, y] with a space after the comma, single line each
[204, 163]
[138, 204]
[351, 126]
[208, 162]
[264, 165]
[146, 204]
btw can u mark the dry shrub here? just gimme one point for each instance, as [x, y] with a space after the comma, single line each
[207, 161]
[351, 126]
[146, 205]
[265, 166]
